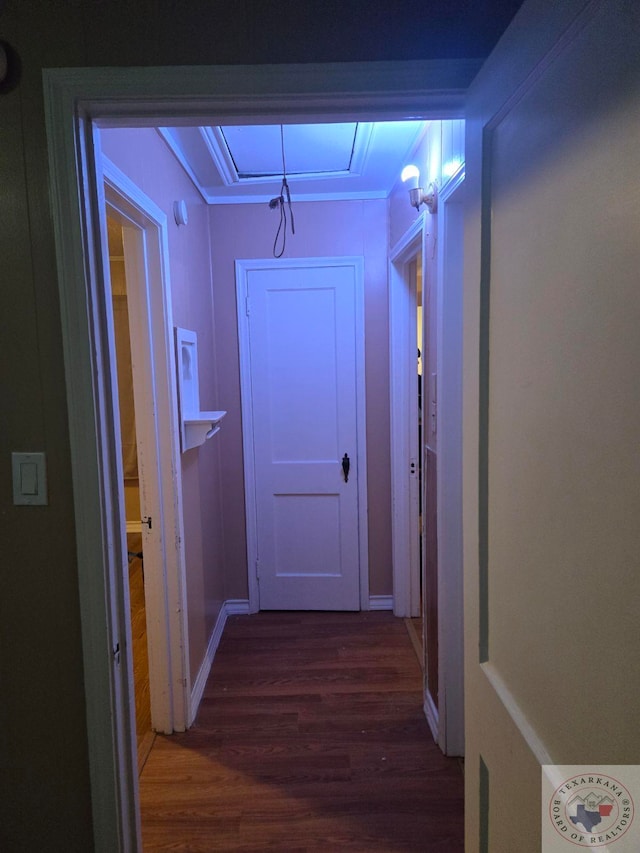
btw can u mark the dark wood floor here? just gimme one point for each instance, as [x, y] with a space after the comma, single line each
[310, 737]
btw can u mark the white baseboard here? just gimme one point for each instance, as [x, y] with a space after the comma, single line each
[433, 718]
[237, 606]
[233, 606]
[380, 602]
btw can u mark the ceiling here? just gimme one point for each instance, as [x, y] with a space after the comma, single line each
[232, 165]
[244, 163]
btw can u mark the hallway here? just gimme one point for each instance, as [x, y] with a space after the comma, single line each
[310, 736]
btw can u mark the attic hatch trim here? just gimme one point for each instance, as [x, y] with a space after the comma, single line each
[218, 148]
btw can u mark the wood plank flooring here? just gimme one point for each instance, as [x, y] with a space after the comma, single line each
[310, 737]
[144, 734]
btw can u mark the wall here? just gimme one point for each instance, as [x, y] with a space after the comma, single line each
[46, 802]
[553, 564]
[322, 229]
[145, 158]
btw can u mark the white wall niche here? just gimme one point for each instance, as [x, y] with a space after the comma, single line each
[195, 426]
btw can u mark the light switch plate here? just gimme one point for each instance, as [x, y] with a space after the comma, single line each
[29, 479]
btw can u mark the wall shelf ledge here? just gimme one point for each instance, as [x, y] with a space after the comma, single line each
[200, 427]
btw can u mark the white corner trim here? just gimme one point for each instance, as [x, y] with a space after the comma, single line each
[231, 607]
[432, 715]
[380, 602]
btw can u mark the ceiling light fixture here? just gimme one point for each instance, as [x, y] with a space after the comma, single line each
[417, 195]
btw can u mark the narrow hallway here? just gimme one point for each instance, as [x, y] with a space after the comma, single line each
[310, 736]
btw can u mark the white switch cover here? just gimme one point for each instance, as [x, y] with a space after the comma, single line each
[29, 479]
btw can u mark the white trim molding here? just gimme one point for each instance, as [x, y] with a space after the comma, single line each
[380, 602]
[432, 715]
[231, 607]
[237, 606]
[148, 280]
[402, 372]
[449, 470]
[75, 99]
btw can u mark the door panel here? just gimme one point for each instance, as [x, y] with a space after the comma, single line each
[551, 410]
[303, 346]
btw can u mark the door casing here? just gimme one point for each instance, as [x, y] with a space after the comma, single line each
[450, 731]
[447, 721]
[404, 432]
[77, 100]
[153, 364]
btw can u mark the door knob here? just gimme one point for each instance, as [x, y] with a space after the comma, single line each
[346, 464]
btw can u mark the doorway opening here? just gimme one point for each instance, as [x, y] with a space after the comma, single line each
[74, 154]
[148, 492]
[406, 276]
[131, 486]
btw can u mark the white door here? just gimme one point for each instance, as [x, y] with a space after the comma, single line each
[551, 416]
[304, 378]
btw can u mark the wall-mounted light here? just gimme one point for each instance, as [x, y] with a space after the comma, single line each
[417, 195]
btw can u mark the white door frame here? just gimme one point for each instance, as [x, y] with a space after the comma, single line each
[450, 720]
[75, 98]
[243, 268]
[404, 441]
[154, 378]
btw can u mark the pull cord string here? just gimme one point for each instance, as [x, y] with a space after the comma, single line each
[284, 191]
[282, 227]
[285, 185]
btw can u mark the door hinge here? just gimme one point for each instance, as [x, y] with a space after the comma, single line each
[147, 521]
[258, 569]
[116, 654]
[247, 305]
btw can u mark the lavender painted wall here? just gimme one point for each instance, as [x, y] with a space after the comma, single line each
[322, 229]
[144, 157]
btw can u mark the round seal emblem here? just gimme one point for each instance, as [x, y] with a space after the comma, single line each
[591, 810]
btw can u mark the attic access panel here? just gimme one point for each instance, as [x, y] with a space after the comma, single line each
[310, 150]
